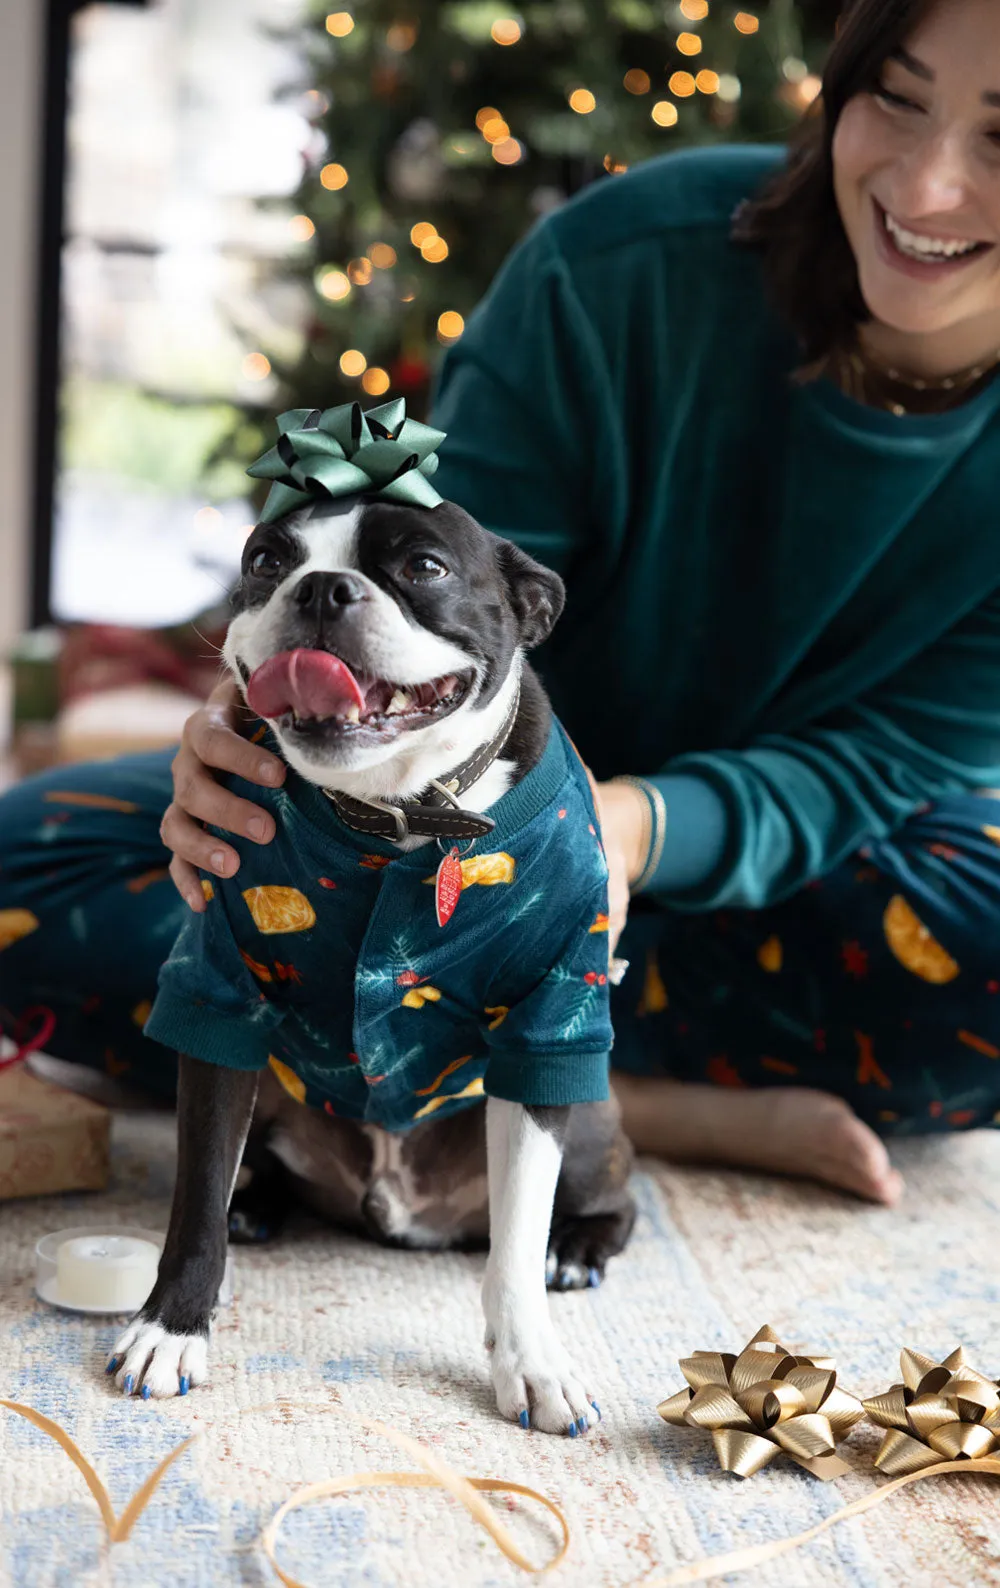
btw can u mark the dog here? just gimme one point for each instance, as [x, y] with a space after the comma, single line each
[382, 642]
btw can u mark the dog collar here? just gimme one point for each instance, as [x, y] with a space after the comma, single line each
[438, 814]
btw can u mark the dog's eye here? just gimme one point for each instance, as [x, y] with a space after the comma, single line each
[424, 567]
[265, 564]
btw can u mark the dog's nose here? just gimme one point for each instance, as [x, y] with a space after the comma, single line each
[328, 593]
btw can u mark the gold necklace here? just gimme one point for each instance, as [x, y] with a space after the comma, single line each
[864, 376]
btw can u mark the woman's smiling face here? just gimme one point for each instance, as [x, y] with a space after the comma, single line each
[917, 178]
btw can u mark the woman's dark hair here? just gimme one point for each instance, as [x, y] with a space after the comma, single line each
[794, 220]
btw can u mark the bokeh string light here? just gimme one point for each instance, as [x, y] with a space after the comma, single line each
[339, 24]
[334, 177]
[375, 380]
[450, 326]
[334, 285]
[401, 37]
[353, 363]
[360, 272]
[495, 130]
[382, 255]
[506, 31]
[664, 113]
[582, 101]
[681, 84]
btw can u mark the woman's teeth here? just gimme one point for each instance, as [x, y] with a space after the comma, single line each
[916, 246]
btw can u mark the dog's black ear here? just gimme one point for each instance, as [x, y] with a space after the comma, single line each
[536, 593]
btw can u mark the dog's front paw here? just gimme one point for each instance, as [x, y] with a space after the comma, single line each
[537, 1384]
[150, 1361]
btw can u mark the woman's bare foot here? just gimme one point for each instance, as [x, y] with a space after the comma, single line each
[787, 1129]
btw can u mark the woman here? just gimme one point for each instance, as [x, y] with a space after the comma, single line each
[763, 452]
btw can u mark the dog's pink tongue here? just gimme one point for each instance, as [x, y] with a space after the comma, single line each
[310, 683]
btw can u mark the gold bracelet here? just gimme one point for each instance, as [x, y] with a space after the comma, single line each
[656, 830]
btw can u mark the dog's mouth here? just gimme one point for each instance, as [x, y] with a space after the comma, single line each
[315, 694]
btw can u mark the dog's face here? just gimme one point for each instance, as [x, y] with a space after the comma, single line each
[370, 632]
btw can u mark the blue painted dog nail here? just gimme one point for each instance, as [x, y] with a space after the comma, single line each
[524, 1419]
[564, 1280]
[597, 1410]
[571, 1430]
[111, 1365]
[185, 1384]
[129, 1384]
[146, 1392]
[593, 1274]
[582, 1425]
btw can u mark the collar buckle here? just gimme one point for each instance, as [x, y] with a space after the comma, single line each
[417, 819]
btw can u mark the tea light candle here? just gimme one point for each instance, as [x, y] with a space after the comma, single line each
[112, 1272]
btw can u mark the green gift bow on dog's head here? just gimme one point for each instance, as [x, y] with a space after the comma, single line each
[342, 451]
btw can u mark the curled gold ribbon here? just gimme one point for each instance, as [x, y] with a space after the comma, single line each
[763, 1401]
[116, 1528]
[337, 452]
[942, 1410]
[758, 1554]
[436, 1475]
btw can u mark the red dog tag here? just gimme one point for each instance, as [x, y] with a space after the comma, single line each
[447, 886]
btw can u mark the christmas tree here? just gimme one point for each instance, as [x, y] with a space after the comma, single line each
[444, 128]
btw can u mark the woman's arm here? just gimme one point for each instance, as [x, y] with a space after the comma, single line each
[787, 808]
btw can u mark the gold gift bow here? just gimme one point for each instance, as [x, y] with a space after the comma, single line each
[942, 1409]
[763, 1401]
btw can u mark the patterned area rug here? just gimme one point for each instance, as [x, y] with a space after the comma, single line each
[325, 1325]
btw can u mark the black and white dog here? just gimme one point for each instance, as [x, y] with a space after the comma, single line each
[433, 614]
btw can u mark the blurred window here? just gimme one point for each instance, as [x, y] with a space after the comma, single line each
[183, 116]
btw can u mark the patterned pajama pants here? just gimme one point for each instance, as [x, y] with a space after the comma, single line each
[880, 983]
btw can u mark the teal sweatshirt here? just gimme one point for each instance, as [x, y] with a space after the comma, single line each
[782, 606]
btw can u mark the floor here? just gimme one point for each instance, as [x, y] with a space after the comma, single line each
[324, 1326]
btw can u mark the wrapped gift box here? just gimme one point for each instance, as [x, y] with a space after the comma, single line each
[50, 1139]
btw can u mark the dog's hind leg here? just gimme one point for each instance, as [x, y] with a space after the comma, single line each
[265, 1193]
[536, 1383]
[594, 1211]
[164, 1350]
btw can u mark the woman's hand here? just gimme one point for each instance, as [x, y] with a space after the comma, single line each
[210, 741]
[625, 833]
